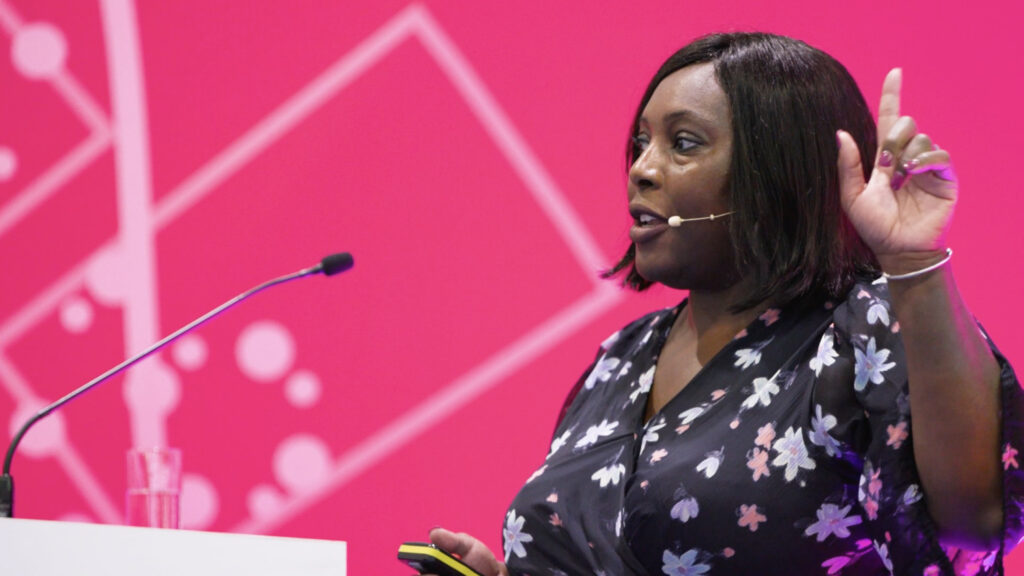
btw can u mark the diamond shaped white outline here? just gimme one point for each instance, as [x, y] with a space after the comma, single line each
[412, 22]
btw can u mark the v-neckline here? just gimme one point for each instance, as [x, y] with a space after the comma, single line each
[659, 346]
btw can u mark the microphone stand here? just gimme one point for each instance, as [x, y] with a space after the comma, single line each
[329, 266]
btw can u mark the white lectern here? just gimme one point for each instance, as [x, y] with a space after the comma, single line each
[46, 548]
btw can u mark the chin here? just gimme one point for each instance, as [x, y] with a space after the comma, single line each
[682, 276]
[671, 275]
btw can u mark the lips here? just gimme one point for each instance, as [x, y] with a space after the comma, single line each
[647, 223]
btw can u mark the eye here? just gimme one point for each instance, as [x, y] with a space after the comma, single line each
[684, 143]
[640, 143]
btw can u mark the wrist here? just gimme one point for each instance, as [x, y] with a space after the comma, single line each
[906, 265]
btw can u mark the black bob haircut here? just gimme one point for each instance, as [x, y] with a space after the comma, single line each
[791, 237]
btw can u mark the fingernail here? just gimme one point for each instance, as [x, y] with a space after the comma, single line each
[839, 141]
[885, 159]
[897, 180]
[910, 166]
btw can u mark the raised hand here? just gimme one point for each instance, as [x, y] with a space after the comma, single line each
[906, 206]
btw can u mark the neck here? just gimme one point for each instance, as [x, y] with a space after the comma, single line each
[709, 318]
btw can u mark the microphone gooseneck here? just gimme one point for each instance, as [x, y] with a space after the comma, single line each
[329, 266]
[677, 221]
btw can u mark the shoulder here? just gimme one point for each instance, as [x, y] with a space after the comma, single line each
[615, 359]
[866, 322]
[867, 307]
[867, 334]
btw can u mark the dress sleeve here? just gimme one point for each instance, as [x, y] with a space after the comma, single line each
[575, 391]
[600, 369]
[969, 562]
[1012, 417]
[612, 357]
[889, 491]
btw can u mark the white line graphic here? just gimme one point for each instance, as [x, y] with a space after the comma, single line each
[51, 181]
[285, 117]
[88, 486]
[134, 209]
[563, 216]
[67, 457]
[16, 384]
[80, 102]
[18, 208]
[45, 302]
[140, 220]
[80, 157]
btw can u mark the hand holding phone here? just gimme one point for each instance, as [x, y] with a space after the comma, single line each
[429, 559]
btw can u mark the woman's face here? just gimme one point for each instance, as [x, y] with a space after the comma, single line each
[684, 140]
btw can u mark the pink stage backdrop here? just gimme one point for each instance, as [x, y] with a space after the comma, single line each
[156, 159]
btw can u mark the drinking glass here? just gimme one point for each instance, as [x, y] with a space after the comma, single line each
[154, 487]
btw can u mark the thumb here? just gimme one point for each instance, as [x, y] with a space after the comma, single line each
[851, 169]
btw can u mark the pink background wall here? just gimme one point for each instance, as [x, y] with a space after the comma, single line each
[156, 161]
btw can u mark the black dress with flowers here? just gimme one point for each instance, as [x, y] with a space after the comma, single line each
[789, 453]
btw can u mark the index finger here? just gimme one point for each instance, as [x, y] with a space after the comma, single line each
[450, 541]
[889, 105]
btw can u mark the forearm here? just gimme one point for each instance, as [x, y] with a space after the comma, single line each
[954, 397]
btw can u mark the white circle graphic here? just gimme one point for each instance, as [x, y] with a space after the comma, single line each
[265, 351]
[8, 163]
[190, 352]
[301, 463]
[199, 502]
[104, 276]
[264, 500]
[152, 388]
[302, 389]
[39, 51]
[76, 314]
[45, 437]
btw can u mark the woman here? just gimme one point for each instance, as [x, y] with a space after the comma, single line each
[764, 424]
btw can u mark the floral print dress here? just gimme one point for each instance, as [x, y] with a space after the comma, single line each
[789, 453]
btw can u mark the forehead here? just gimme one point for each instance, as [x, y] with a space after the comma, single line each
[693, 90]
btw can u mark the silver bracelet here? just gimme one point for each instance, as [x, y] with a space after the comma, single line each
[915, 273]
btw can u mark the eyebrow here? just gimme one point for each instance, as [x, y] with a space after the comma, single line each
[684, 114]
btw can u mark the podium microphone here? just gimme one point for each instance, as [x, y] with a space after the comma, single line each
[329, 266]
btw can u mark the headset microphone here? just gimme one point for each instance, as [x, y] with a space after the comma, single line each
[677, 221]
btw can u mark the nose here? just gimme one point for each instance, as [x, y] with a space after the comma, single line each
[645, 173]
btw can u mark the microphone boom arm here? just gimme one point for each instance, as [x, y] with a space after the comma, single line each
[328, 266]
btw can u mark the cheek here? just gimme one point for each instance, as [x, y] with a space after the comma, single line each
[716, 182]
[702, 190]
[702, 199]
